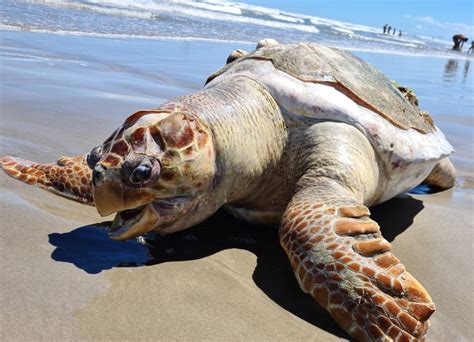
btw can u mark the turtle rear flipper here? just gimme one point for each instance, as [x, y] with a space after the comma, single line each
[69, 176]
[443, 175]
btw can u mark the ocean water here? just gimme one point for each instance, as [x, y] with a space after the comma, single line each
[445, 88]
[155, 50]
[215, 20]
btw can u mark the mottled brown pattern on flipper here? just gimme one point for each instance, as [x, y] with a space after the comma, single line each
[371, 247]
[355, 211]
[355, 227]
[68, 177]
[355, 277]
[348, 74]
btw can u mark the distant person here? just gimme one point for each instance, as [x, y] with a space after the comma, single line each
[385, 28]
[400, 33]
[394, 30]
[471, 49]
[389, 29]
[459, 41]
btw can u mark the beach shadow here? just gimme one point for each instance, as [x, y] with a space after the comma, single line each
[396, 215]
[89, 249]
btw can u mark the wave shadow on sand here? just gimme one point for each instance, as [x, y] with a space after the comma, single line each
[90, 249]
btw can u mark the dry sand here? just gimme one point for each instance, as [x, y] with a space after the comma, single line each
[223, 280]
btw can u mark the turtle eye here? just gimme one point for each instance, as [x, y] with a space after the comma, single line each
[141, 174]
[94, 156]
[144, 172]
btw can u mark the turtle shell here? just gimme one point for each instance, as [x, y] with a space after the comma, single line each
[350, 75]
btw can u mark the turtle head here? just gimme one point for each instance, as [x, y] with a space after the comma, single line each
[155, 172]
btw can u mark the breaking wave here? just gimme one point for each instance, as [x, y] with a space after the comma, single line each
[211, 20]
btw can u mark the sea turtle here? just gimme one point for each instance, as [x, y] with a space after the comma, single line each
[302, 136]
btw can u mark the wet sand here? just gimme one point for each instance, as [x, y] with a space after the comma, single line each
[63, 279]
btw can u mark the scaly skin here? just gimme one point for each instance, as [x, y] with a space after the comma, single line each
[69, 176]
[231, 145]
[342, 261]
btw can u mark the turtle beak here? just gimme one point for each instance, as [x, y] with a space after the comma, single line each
[110, 196]
[130, 223]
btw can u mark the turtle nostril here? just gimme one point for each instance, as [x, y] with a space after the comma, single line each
[93, 157]
[97, 174]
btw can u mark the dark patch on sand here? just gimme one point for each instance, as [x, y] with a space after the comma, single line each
[90, 249]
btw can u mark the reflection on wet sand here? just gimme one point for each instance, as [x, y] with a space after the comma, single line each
[451, 68]
[466, 69]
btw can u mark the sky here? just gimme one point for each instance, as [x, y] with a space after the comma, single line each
[435, 18]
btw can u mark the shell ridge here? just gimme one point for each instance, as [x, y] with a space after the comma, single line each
[348, 74]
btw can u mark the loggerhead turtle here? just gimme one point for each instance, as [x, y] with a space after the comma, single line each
[302, 136]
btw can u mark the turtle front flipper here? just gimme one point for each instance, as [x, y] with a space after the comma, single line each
[69, 176]
[341, 259]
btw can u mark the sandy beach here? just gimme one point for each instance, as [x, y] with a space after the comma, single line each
[63, 279]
